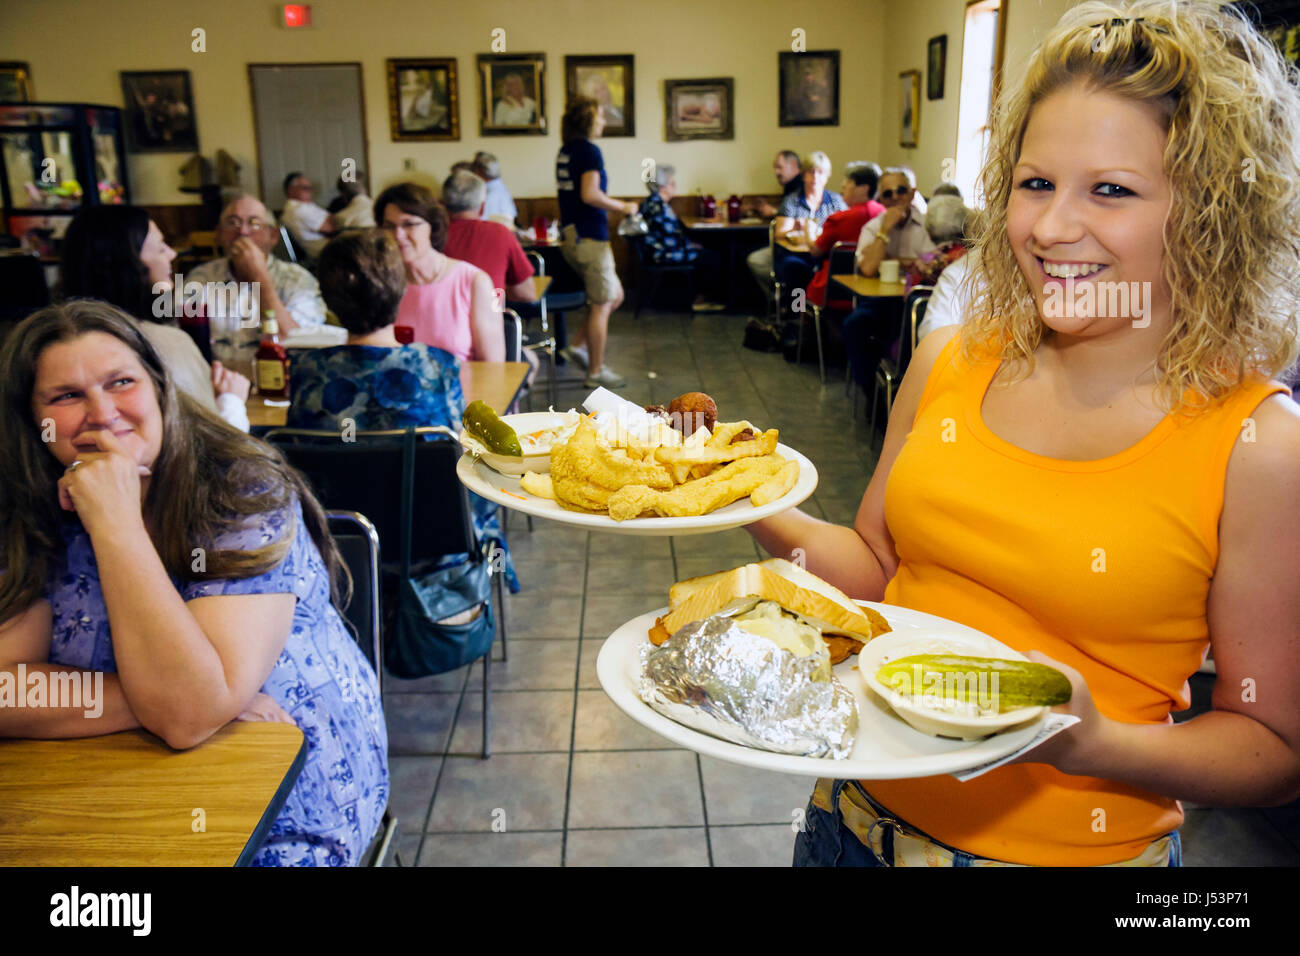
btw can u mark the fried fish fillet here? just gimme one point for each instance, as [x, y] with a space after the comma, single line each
[584, 473]
[729, 483]
[764, 444]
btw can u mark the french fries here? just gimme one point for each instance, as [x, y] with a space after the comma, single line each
[692, 477]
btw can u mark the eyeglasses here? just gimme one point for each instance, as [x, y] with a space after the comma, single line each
[254, 224]
[406, 225]
[891, 193]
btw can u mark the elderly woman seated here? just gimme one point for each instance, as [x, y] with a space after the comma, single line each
[945, 221]
[800, 217]
[374, 381]
[667, 242]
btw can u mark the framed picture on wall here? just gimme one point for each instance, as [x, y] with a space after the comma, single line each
[422, 100]
[609, 81]
[159, 112]
[810, 88]
[936, 60]
[15, 83]
[512, 94]
[909, 104]
[699, 109]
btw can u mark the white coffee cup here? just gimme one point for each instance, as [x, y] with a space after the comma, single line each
[889, 270]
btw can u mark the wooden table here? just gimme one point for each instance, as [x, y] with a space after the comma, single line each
[862, 287]
[496, 383]
[128, 799]
[734, 234]
[540, 285]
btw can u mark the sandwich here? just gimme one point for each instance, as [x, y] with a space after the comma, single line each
[780, 601]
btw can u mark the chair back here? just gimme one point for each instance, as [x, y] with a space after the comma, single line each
[539, 264]
[844, 258]
[358, 543]
[771, 248]
[286, 245]
[404, 481]
[913, 313]
[514, 335]
[22, 277]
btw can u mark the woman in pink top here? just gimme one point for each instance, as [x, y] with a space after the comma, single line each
[448, 303]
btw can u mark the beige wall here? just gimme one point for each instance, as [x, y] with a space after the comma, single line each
[669, 38]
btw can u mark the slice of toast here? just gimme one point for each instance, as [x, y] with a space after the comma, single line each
[776, 579]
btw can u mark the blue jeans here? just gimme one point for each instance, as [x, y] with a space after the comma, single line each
[825, 841]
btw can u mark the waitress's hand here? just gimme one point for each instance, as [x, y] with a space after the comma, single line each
[630, 209]
[264, 708]
[227, 381]
[103, 485]
[1075, 749]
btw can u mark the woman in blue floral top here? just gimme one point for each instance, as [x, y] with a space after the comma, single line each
[374, 381]
[667, 242]
[184, 562]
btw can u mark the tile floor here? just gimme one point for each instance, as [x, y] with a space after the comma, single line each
[571, 780]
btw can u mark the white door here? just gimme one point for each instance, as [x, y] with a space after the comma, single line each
[309, 119]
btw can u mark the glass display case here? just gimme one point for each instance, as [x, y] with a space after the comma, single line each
[56, 158]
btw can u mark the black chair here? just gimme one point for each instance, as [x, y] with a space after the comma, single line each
[650, 274]
[368, 475]
[545, 341]
[22, 281]
[358, 543]
[889, 374]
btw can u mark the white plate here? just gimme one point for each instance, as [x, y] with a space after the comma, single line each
[886, 747]
[506, 490]
[889, 647]
[523, 424]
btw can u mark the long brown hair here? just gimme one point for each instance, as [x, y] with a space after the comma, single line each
[208, 477]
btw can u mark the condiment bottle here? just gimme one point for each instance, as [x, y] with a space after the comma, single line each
[272, 361]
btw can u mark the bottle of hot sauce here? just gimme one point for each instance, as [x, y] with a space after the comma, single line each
[272, 361]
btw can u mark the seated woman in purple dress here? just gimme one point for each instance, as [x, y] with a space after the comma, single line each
[374, 381]
[187, 563]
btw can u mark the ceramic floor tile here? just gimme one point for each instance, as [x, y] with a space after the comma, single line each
[542, 615]
[532, 665]
[449, 682]
[663, 847]
[411, 783]
[840, 510]
[404, 850]
[752, 845]
[523, 721]
[629, 547]
[1238, 837]
[734, 543]
[600, 725]
[547, 540]
[736, 794]
[617, 576]
[606, 613]
[1287, 820]
[419, 723]
[587, 654]
[527, 789]
[492, 849]
[648, 788]
[540, 575]
[698, 567]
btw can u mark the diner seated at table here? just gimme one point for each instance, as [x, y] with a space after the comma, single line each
[859, 192]
[945, 222]
[785, 166]
[358, 212]
[117, 254]
[246, 234]
[498, 204]
[374, 381]
[183, 562]
[800, 218]
[310, 224]
[667, 242]
[899, 232]
[448, 303]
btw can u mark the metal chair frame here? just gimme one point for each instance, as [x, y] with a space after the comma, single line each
[655, 271]
[547, 343]
[889, 375]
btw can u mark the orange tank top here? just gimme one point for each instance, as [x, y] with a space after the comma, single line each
[1104, 565]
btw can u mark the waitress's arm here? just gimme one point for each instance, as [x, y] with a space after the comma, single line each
[593, 195]
[858, 560]
[1246, 751]
[102, 707]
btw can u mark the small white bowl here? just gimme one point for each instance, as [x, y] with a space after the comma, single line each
[536, 459]
[896, 644]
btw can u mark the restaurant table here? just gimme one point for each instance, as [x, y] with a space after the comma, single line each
[127, 799]
[735, 235]
[540, 285]
[862, 287]
[496, 383]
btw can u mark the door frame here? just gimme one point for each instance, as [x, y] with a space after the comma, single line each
[361, 98]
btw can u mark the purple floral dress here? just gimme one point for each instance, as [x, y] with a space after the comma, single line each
[321, 678]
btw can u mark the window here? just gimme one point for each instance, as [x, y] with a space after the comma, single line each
[980, 61]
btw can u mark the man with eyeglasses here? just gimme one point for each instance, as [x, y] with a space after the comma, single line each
[310, 224]
[247, 233]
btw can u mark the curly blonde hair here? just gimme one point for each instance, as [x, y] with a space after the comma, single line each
[1231, 109]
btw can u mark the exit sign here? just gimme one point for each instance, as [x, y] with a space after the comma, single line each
[297, 15]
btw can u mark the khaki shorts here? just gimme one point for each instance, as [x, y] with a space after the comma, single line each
[593, 260]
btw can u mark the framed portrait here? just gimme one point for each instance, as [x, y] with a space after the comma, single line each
[936, 60]
[512, 94]
[909, 106]
[699, 109]
[159, 112]
[15, 83]
[609, 81]
[810, 88]
[422, 100]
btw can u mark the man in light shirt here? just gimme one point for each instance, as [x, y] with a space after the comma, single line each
[499, 205]
[247, 233]
[310, 224]
[898, 233]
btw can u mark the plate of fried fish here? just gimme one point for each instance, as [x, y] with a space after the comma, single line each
[675, 470]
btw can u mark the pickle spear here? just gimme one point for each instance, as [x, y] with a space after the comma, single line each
[485, 425]
[1006, 685]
